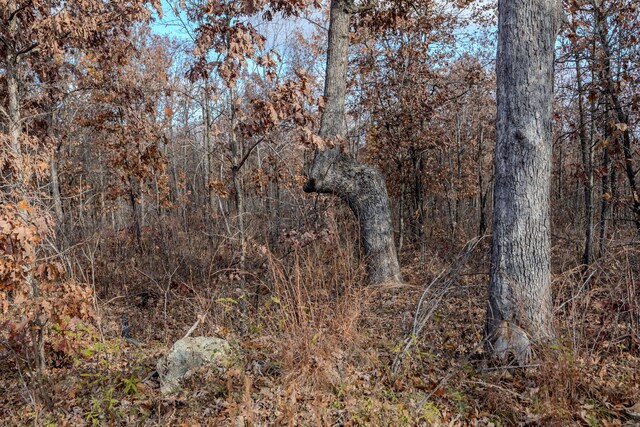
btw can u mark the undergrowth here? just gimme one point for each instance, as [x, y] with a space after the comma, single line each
[320, 345]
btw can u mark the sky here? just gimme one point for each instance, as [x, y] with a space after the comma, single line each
[277, 32]
[169, 24]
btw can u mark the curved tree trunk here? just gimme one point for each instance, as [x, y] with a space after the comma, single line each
[520, 307]
[362, 187]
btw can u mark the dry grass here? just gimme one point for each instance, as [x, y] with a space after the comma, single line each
[320, 345]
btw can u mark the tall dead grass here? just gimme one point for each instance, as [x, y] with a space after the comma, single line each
[591, 368]
[317, 298]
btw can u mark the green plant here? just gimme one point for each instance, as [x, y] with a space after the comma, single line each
[460, 400]
[101, 406]
[431, 413]
[130, 385]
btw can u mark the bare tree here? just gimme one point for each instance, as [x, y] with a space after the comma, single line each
[520, 307]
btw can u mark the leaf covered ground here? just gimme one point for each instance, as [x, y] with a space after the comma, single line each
[320, 351]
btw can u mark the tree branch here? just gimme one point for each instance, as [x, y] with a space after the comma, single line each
[247, 154]
[317, 24]
[351, 7]
[26, 50]
[5, 41]
[18, 10]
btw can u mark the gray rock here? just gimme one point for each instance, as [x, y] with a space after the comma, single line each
[190, 353]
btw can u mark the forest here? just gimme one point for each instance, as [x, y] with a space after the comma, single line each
[319, 213]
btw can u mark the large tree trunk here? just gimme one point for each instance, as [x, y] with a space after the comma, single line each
[520, 306]
[362, 187]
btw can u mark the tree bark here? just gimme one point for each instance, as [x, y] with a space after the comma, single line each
[209, 151]
[136, 210]
[237, 153]
[418, 203]
[55, 188]
[276, 208]
[362, 187]
[401, 214]
[520, 307]
[482, 194]
[587, 164]
[15, 119]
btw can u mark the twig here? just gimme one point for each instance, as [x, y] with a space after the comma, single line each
[114, 298]
[32, 399]
[506, 390]
[503, 367]
[442, 284]
[195, 325]
[577, 294]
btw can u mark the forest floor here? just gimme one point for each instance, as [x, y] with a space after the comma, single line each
[330, 363]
